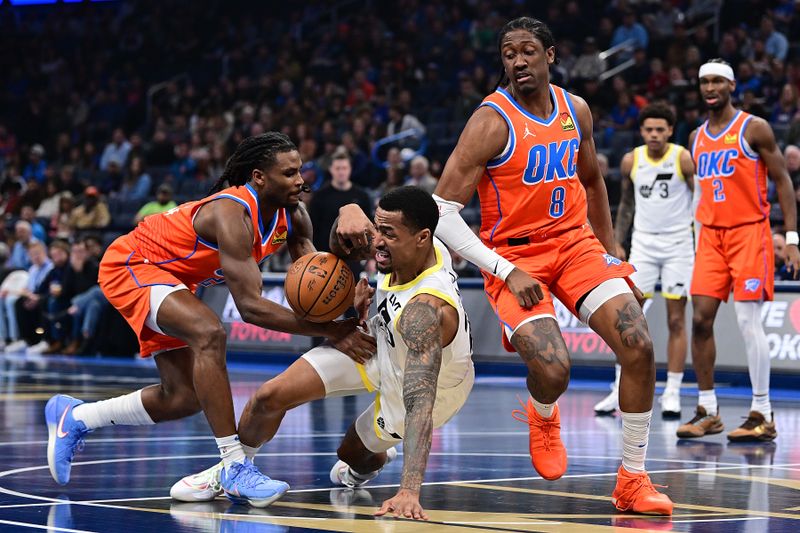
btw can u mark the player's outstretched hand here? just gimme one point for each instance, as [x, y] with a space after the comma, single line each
[404, 504]
[793, 260]
[526, 289]
[355, 229]
[350, 340]
[363, 300]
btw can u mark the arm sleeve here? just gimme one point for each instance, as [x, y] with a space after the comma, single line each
[454, 232]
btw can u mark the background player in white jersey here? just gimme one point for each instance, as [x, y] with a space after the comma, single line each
[657, 189]
[422, 371]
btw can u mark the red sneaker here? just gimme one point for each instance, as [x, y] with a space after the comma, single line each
[637, 494]
[548, 455]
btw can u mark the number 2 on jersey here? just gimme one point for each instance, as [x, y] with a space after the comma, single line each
[719, 194]
[557, 202]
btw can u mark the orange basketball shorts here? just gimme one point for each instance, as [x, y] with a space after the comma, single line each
[739, 258]
[568, 266]
[126, 279]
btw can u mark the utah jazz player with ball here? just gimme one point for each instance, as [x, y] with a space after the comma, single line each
[422, 371]
[150, 276]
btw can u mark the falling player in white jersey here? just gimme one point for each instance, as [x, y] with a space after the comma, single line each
[422, 371]
[657, 187]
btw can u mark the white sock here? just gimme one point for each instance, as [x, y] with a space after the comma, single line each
[748, 315]
[617, 374]
[762, 404]
[230, 449]
[708, 400]
[125, 410]
[250, 452]
[635, 432]
[674, 380]
[545, 410]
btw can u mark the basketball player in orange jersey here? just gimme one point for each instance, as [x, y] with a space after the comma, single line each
[734, 153]
[528, 150]
[150, 275]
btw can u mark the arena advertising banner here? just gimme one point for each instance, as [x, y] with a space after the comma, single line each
[781, 319]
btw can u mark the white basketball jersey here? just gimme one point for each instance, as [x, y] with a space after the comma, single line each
[440, 281]
[663, 200]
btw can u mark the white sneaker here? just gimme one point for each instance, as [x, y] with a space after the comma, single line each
[670, 403]
[609, 404]
[342, 476]
[17, 347]
[38, 348]
[201, 487]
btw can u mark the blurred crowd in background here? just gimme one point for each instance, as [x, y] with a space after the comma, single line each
[110, 112]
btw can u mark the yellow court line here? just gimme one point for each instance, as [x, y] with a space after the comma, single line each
[690, 506]
[786, 483]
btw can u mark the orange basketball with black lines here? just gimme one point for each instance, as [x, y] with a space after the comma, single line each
[319, 287]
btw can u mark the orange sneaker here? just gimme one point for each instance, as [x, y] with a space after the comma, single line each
[548, 455]
[637, 494]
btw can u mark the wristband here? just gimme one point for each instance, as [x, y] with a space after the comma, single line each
[792, 238]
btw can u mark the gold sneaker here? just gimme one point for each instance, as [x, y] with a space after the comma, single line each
[754, 429]
[701, 425]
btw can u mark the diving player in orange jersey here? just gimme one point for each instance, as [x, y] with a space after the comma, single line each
[529, 152]
[150, 275]
[735, 153]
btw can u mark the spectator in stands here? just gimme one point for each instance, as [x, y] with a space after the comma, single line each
[29, 215]
[69, 181]
[183, 166]
[624, 114]
[60, 227]
[94, 246]
[779, 247]
[117, 150]
[85, 298]
[786, 108]
[49, 206]
[775, 42]
[136, 184]
[588, 65]
[35, 169]
[393, 174]
[419, 174]
[8, 143]
[38, 311]
[468, 98]
[792, 155]
[23, 238]
[92, 213]
[162, 203]
[338, 192]
[747, 80]
[630, 30]
[400, 120]
[37, 272]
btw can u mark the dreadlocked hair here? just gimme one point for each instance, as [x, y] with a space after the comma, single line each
[536, 27]
[257, 152]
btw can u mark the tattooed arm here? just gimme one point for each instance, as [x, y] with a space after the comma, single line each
[626, 205]
[426, 324]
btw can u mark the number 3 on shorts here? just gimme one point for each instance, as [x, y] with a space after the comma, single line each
[719, 194]
[557, 202]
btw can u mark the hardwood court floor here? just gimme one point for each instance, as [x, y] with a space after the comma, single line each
[479, 477]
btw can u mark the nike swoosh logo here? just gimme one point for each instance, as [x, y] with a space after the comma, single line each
[60, 432]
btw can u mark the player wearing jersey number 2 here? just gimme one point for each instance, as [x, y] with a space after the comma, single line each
[735, 153]
[657, 185]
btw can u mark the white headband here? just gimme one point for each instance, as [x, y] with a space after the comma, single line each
[716, 69]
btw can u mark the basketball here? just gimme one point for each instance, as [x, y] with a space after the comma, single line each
[319, 287]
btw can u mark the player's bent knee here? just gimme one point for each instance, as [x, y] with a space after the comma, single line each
[676, 325]
[554, 377]
[270, 398]
[702, 326]
[210, 340]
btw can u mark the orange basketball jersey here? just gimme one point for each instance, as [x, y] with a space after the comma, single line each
[168, 240]
[733, 178]
[533, 187]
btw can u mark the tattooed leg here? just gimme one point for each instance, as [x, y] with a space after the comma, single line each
[542, 348]
[620, 322]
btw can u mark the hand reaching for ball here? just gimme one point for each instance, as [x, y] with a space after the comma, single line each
[363, 300]
[348, 338]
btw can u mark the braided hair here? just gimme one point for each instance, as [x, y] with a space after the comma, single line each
[536, 27]
[257, 152]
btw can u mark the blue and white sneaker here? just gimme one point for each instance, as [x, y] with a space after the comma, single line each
[65, 435]
[243, 483]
